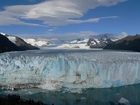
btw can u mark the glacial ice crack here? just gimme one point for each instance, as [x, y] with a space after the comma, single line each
[100, 69]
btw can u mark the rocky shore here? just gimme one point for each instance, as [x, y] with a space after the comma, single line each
[16, 100]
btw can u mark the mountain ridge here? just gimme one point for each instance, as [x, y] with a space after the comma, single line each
[128, 43]
[13, 43]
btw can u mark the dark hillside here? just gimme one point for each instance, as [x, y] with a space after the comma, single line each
[128, 43]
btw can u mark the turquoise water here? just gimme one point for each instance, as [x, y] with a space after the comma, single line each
[86, 97]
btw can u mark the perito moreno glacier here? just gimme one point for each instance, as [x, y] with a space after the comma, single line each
[74, 69]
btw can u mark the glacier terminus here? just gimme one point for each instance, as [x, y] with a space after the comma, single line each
[55, 69]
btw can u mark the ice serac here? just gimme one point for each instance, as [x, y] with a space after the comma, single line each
[89, 69]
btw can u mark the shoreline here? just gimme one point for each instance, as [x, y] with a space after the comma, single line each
[16, 100]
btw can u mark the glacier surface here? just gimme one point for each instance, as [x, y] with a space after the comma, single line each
[69, 69]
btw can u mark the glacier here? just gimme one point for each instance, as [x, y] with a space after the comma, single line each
[56, 69]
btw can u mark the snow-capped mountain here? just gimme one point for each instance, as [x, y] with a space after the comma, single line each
[99, 41]
[113, 37]
[37, 42]
[96, 41]
[14, 43]
[6, 45]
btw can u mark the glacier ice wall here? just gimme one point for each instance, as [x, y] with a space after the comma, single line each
[90, 69]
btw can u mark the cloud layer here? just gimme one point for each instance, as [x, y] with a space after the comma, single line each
[66, 36]
[54, 12]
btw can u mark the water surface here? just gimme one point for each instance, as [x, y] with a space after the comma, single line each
[86, 97]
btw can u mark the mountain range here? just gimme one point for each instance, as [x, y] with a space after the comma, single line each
[105, 41]
[96, 41]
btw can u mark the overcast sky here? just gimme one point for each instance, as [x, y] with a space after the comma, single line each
[69, 18]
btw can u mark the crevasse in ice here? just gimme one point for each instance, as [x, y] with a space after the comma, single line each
[89, 69]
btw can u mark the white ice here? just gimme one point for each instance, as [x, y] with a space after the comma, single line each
[35, 42]
[124, 101]
[77, 45]
[92, 69]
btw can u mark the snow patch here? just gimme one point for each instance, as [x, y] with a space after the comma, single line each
[38, 42]
[97, 41]
[13, 39]
[79, 41]
[2, 33]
